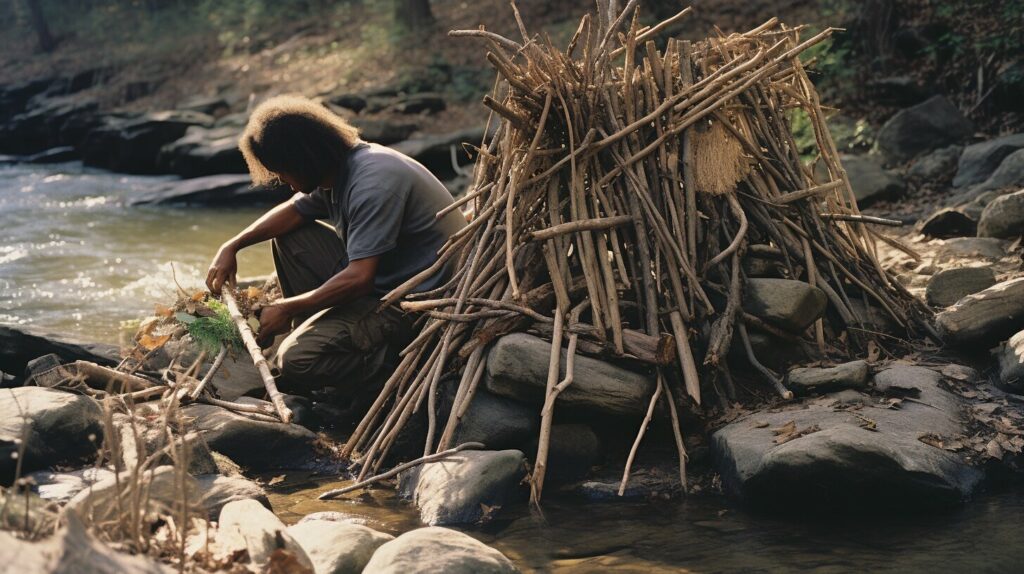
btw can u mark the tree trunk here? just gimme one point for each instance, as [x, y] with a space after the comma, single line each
[413, 14]
[35, 12]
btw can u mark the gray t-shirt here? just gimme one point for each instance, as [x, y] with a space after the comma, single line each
[385, 203]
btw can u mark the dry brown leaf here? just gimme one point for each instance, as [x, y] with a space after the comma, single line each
[198, 296]
[276, 480]
[161, 311]
[254, 292]
[149, 342]
[994, 450]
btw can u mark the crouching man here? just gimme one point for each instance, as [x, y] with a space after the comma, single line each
[362, 221]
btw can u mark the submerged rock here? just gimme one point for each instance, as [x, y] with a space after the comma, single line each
[811, 456]
[256, 445]
[979, 160]
[950, 285]
[248, 525]
[1004, 217]
[517, 367]
[57, 427]
[786, 303]
[454, 490]
[986, 317]
[852, 375]
[336, 547]
[437, 549]
[932, 124]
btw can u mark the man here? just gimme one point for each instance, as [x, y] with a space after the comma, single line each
[381, 207]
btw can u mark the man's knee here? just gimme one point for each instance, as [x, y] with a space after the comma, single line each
[296, 363]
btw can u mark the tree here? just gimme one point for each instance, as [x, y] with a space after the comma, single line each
[413, 14]
[35, 12]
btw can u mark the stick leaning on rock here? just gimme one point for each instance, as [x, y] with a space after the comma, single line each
[283, 412]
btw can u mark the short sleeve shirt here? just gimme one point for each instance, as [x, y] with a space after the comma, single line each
[385, 204]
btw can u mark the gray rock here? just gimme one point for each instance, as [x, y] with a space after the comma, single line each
[384, 132]
[875, 318]
[970, 247]
[140, 438]
[1010, 173]
[347, 100]
[18, 346]
[771, 350]
[831, 461]
[438, 550]
[336, 547]
[517, 367]
[132, 144]
[897, 90]
[216, 491]
[869, 180]
[71, 549]
[937, 166]
[63, 486]
[420, 103]
[57, 427]
[1004, 217]
[203, 151]
[1011, 364]
[435, 151]
[248, 525]
[949, 222]
[986, 317]
[57, 154]
[785, 303]
[932, 124]
[950, 285]
[256, 445]
[162, 485]
[215, 106]
[452, 490]
[573, 449]
[979, 160]
[347, 518]
[212, 190]
[497, 422]
[852, 375]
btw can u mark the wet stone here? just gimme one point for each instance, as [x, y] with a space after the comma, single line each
[437, 549]
[337, 547]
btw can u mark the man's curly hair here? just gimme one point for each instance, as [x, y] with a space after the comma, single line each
[298, 137]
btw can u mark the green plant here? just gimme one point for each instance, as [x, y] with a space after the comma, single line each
[209, 333]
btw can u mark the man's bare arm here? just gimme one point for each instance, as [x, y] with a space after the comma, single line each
[274, 223]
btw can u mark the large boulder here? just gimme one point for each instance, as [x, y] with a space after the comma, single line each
[19, 346]
[51, 122]
[57, 427]
[573, 449]
[813, 456]
[497, 422]
[852, 375]
[248, 525]
[224, 189]
[437, 549]
[132, 144]
[203, 151]
[142, 438]
[971, 248]
[932, 124]
[869, 180]
[217, 491]
[937, 166]
[979, 160]
[1011, 364]
[517, 367]
[984, 318]
[163, 486]
[256, 445]
[1009, 174]
[1004, 217]
[337, 547]
[455, 489]
[951, 285]
[786, 303]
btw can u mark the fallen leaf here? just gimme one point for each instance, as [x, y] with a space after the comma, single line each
[873, 352]
[787, 428]
[161, 311]
[994, 450]
[198, 296]
[253, 292]
[150, 342]
[276, 480]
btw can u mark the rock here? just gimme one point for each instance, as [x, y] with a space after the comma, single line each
[937, 166]
[345, 518]
[203, 151]
[217, 490]
[435, 151]
[214, 106]
[72, 549]
[950, 285]
[810, 456]
[453, 490]
[897, 90]
[57, 428]
[573, 449]
[132, 144]
[771, 350]
[932, 124]
[63, 486]
[949, 222]
[140, 438]
[162, 485]
[986, 317]
[349, 101]
[247, 524]
[517, 367]
[971, 247]
[1011, 364]
[645, 483]
[384, 132]
[497, 422]
[213, 190]
[52, 122]
[420, 104]
[57, 154]
[852, 375]
[869, 180]
[785, 303]
[236, 377]
[438, 550]
[875, 318]
[1004, 217]
[336, 547]
[979, 160]
[256, 445]
[19, 346]
[1010, 173]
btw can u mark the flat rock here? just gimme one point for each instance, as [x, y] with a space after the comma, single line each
[132, 144]
[57, 154]
[984, 318]
[18, 346]
[1004, 217]
[452, 490]
[163, 487]
[1011, 364]
[225, 189]
[438, 549]
[852, 375]
[949, 222]
[57, 427]
[960, 247]
[384, 132]
[435, 151]
[428, 103]
[141, 438]
[255, 445]
[869, 180]
[950, 285]
[979, 160]
[517, 367]
[937, 166]
[248, 525]
[811, 456]
[203, 151]
[63, 486]
[932, 124]
[785, 303]
[336, 547]
[217, 490]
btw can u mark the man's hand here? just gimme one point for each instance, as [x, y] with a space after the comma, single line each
[223, 268]
[274, 320]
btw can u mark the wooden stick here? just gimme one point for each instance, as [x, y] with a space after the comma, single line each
[283, 412]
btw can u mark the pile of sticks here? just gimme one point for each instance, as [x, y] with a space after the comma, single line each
[614, 205]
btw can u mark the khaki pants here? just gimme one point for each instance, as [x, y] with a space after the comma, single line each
[350, 347]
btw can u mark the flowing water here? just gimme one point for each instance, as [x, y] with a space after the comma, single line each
[74, 259]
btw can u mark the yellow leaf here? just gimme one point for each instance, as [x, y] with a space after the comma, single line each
[150, 342]
[198, 296]
[253, 292]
